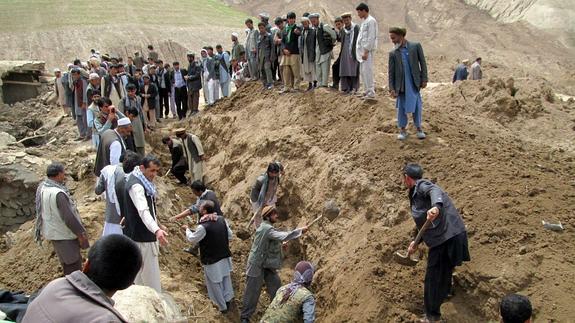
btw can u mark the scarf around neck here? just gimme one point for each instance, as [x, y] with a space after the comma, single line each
[149, 187]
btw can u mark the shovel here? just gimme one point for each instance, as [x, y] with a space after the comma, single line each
[403, 258]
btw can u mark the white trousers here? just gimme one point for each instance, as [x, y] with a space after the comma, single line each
[111, 228]
[366, 74]
[149, 274]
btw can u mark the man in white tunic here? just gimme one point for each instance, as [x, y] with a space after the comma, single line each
[365, 49]
[213, 235]
[141, 220]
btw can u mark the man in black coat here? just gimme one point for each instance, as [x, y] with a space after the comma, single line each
[180, 90]
[194, 83]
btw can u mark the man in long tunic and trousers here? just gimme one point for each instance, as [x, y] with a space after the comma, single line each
[476, 73]
[276, 54]
[251, 49]
[80, 104]
[407, 76]
[58, 221]
[203, 194]
[335, 67]
[224, 63]
[294, 302]
[68, 85]
[307, 53]
[139, 126]
[60, 92]
[212, 76]
[325, 40]
[213, 238]
[194, 83]
[461, 72]
[264, 190]
[365, 49]
[446, 237]
[265, 44]
[194, 152]
[112, 145]
[112, 86]
[290, 60]
[348, 63]
[237, 48]
[142, 220]
[264, 260]
[112, 181]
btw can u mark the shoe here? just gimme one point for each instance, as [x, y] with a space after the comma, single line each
[284, 91]
[402, 135]
[79, 139]
[368, 97]
[158, 120]
[269, 87]
[359, 94]
[191, 250]
[421, 134]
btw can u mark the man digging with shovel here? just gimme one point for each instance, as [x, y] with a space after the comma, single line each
[442, 230]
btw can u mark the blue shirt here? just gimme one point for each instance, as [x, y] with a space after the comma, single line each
[179, 78]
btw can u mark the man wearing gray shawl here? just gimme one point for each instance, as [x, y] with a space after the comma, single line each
[294, 299]
[58, 221]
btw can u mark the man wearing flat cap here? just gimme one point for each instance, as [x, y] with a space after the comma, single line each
[348, 62]
[264, 260]
[407, 76]
[446, 237]
[237, 48]
[194, 153]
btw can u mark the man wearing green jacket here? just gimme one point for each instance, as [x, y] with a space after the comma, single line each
[264, 260]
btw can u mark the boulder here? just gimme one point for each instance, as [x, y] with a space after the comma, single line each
[144, 304]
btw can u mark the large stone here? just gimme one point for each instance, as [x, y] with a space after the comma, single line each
[144, 304]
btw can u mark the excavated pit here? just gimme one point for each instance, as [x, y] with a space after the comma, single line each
[17, 195]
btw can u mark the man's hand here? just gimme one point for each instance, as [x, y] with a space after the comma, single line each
[186, 77]
[203, 157]
[365, 56]
[161, 236]
[304, 229]
[286, 52]
[185, 227]
[83, 241]
[423, 85]
[412, 248]
[432, 213]
[393, 94]
[209, 217]
[122, 222]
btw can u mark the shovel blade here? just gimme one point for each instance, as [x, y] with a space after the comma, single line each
[403, 258]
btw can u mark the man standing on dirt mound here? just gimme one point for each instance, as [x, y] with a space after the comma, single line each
[58, 221]
[142, 226]
[365, 49]
[446, 237]
[407, 76]
[264, 260]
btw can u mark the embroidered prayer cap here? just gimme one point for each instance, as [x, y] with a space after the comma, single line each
[146, 76]
[264, 15]
[304, 19]
[93, 76]
[191, 54]
[234, 34]
[267, 210]
[180, 131]
[346, 15]
[398, 31]
[465, 61]
[313, 15]
[56, 70]
[124, 122]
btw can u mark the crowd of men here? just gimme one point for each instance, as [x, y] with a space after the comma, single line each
[115, 105]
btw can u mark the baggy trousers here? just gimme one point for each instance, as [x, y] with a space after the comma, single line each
[366, 74]
[254, 289]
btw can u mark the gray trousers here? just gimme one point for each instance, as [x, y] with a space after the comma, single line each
[220, 293]
[82, 123]
[68, 252]
[254, 289]
[322, 72]
[266, 70]
[253, 66]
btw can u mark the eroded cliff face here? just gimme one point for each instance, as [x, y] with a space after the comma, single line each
[552, 15]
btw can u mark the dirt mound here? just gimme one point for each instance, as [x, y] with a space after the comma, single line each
[505, 181]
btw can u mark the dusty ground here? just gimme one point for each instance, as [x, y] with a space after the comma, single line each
[504, 177]
[502, 149]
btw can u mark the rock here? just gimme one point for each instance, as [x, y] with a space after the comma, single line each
[34, 152]
[6, 139]
[522, 250]
[144, 304]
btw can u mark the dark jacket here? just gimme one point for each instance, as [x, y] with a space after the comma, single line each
[341, 38]
[265, 44]
[460, 73]
[178, 158]
[416, 62]
[153, 92]
[293, 44]
[324, 39]
[194, 76]
[422, 197]
[173, 77]
[309, 45]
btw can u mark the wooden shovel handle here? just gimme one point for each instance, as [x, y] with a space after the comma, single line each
[315, 220]
[422, 231]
